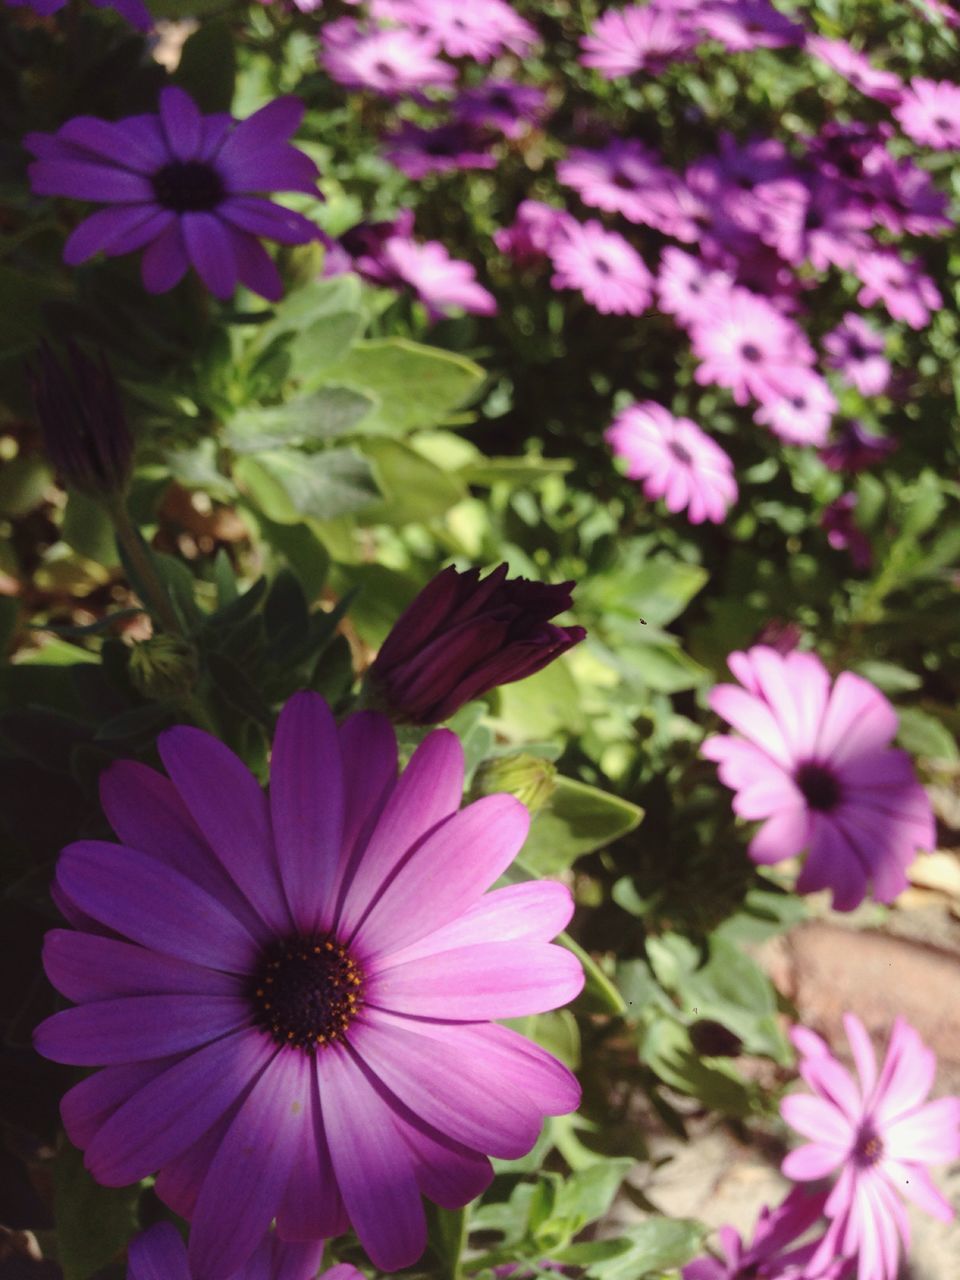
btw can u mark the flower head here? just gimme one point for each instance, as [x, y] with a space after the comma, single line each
[798, 406]
[855, 448]
[857, 69]
[624, 177]
[84, 425]
[742, 25]
[878, 1133]
[443, 148]
[844, 534]
[812, 760]
[675, 460]
[160, 1254]
[392, 61]
[537, 228]
[857, 351]
[605, 268]
[745, 344]
[900, 284]
[479, 30]
[685, 283]
[505, 105]
[182, 186]
[637, 38]
[292, 997]
[929, 113]
[135, 12]
[360, 248]
[439, 281]
[463, 636]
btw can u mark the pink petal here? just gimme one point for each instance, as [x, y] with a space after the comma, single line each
[368, 746]
[930, 1135]
[312, 1207]
[915, 1183]
[781, 836]
[906, 1076]
[858, 719]
[448, 1173]
[752, 717]
[84, 966]
[861, 1047]
[818, 1119]
[811, 1162]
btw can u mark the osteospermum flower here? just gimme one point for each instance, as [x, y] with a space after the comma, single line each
[537, 228]
[637, 38]
[798, 406]
[879, 1134]
[855, 448]
[685, 283]
[744, 343]
[292, 998]
[857, 69]
[857, 351]
[135, 12]
[479, 30]
[504, 105]
[742, 25]
[160, 1254]
[900, 284]
[929, 113]
[392, 61]
[624, 177]
[444, 148]
[675, 460]
[605, 268]
[812, 761]
[439, 281]
[182, 186]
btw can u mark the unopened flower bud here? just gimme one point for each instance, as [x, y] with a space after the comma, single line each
[530, 778]
[84, 426]
[164, 667]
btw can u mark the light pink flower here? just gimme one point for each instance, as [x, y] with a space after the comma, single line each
[799, 408]
[478, 29]
[675, 460]
[856, 350]
[392, 61]
[606, 269]
[685, 283]
[812, 761]
[878, 1132]
[929, 113]
[900, 284]
[744, 343]
[857, 69]
[637, 38]
[536, 229]
[439, 281]
[742, 25]
[624, 177]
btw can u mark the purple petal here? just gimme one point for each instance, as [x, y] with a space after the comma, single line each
[171, 1112]
[256, 269]
[84, 966]
[115, 231]
[246, 1179]
[297, 1262]
[446, 874]
[179, 1183]
[125, 147]
[268, 127]
[373, 1165]
[210, 250]
[87, 181]
[158, 1254]
[165, 263]
[368, 746]
[264, 218]
[89, 1104]
[154, 905]
[227, 804]
[448, 1173]
[182, 122]
[312, 1207]
[112, 1032]
[306, 805]
[215, 129]
[429, 790]
[282, 169]
[487, 981]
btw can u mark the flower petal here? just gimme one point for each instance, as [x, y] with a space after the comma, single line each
[165, 262]
[210, 251]
[114, 231]
[182, 122]
[312, 1207]
[89, 1104]
[158, 1254]
[85, 966]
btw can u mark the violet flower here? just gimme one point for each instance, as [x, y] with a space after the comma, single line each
[929, 113]
[392, 61]
[811, 760]
[479, 30]
[856, 449]
[135, 12]
[844, 534]
[182, 186]
[537, 228]
[504, 105]
[624, 177]
[743, 25]
[604, 267]
[443, 148]
[857, 69]
[856, 350]
[293, 998]
[637, 38]
[900, 284]
[878, 1134]
[160, 1254]
[463, 636]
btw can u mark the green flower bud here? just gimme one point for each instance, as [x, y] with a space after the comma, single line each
[164, 668]
[530, 778]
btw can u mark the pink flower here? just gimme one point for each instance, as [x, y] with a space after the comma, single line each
[638, 38]
[878, 1132]
[675, 460]
[745, 344]
[392, 61]
[857, 69]
[899, 284]
[856, 448]
[856, 351]
[685, 283]
[844, 534]
[625, 177]
[480, 29]
[439, 281]
[606, 269]
[799, 406]
[742, 25]
[812, 761]
[929, 113]
[537, 229]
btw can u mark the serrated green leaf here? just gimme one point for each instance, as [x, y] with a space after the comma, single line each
[576, 820]
[287, 485]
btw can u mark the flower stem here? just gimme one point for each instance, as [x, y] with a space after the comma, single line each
[157, 598]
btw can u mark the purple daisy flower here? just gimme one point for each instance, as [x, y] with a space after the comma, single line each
[744, 343]
[813, 220]
[182, 186]
[292, 997]
[638, 38]
[856, 448]
[160, 1254]
[391, 62]
[844, 534]
[675, 460]
[857, 69]
[798, 406]
[929, 113]
[135, 12]
[742, 25]
[604, 267]
[858, 353]
[503, 105]
[899, 284]
[360, 248]
[624, 177]
[684, 283]
[439, 281]
[479, 30]
[443, 148]
[536, 229]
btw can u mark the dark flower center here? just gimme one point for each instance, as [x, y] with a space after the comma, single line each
[623, 182]
[818, 786]
[943, 123]
[306, 991]
[868, 1149]
[188, 186]
[856, 351]
[751, 352]
[602, 267]
[680, 453]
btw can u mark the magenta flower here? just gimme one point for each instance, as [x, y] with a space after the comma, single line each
[812, 761]
[773, 1253]
[856, 448]
[899, 284]
[798, 406]
[479, 30]
[182, 186]
[392, 61]
[685, 283]
[160, 1254]
[537, 229]
[844, 534]
[462, 636]
[605, 268]
[637, 38]
[857, 351]
[291, 998]
[857, 69]
[879, 1134]
[675, 460]
[135, 12]
[742, 25]
[625, 177]
[745, 344]
[439, 281]
[360, 249]
[443, 148]
[929, 113]
[504, 105]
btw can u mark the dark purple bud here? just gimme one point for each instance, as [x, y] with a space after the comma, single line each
[462, 637]
[84, 426]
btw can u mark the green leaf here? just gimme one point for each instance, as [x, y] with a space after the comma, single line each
[288, 485]
[541, 705]
[23, 482]
[513, 471]
[657, 590]
[667, 1049]
[413, 385]
[656, 1245]
[93, 1222]
[303, 550]
[56, 653]
[88, 529]
[328, 413]
[588, 1194]
[208, 66]
[576, 820]
[922, 734]
[414, 489]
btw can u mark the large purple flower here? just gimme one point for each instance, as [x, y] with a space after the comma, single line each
[135, 12]
[182, 186]
[292, 997]
[160, 1254]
